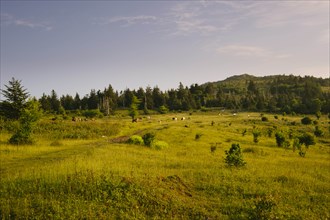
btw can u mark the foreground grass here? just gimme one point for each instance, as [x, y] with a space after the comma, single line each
[98, 178]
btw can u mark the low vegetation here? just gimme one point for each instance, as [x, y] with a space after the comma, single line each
[103, 171]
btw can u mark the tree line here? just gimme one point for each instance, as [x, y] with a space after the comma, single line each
[274, 94]
[306, 95]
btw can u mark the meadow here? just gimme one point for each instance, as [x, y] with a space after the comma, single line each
[88, 170]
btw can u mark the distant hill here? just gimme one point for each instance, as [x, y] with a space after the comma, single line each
[240, 82]
[277, 93]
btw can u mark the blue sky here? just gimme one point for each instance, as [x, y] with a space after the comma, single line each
[76, 46]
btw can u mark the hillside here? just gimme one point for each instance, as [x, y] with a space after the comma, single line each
[286, 93]
[240, 82]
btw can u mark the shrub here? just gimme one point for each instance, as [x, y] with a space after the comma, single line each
[256, 134]
[296, 145]
[159, 145]
[22, 136]
[148, 138]
[318, 132]
[163, 109]
[280, 139]
[234, 156]
[198, 136]
[306, 121]
[264, 118]
[263, 207]
[307, 139]
[269, 132]
[135, 139]
[93, 113]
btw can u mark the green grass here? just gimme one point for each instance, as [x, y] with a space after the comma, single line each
[95, 174]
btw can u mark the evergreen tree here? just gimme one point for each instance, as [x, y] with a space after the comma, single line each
[54, 102]
[15, 102]
[45, 103]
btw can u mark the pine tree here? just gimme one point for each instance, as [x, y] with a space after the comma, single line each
[15, 102]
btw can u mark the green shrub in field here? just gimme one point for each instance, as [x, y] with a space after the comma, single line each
[264, 118]
[93, 113]
[22, 136]
[198, 136]
[244, 132]
[280, 139]
[318, 132]
[148, 138]
[269, 132]
[163, 109]
[159, 145]
[29, 115]
[256, 134]
[306, 121]
[234, 156]
[307, 139]
[263, 208]
[136, 139]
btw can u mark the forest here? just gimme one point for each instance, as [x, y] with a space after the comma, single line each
[276, 94]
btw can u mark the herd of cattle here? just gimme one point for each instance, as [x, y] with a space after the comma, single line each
[134, 120]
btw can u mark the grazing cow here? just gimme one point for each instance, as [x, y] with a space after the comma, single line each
[134, 120]
[75, 119]
[234, 114]
[174, 119]
[183, 118]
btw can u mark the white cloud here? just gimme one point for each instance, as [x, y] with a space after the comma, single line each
[243, 51]
[238, 50]
[267, 14]
[8, 20]
[189, 17]
[128, 20]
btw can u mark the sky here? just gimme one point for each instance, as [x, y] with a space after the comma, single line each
[75, 46]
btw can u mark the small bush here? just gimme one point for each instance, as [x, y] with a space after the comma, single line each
[234, 156]
[306, 121]
[256, 134]
[318, 132]
[148, 138]
[198, 136]
[93, 113]
[307, 139]
[263, 208]
[163, 109]
[136, 139]
[21, 137]
[280, 139]
[264, 118]
[159, 145]
[269, 132]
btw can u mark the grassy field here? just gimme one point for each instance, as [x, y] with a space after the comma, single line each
[87, 170]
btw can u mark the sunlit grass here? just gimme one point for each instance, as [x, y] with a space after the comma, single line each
[96, 178]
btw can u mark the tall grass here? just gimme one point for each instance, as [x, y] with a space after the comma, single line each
[93, 178]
